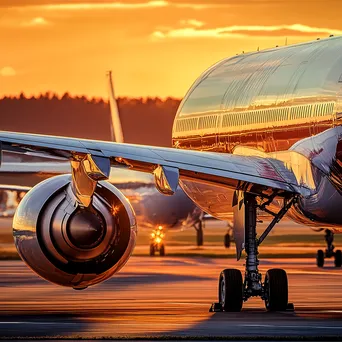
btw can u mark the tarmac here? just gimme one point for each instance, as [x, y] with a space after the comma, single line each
[168, 298]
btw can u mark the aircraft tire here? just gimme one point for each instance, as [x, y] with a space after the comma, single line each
[152, 251]
[276, 290]
[162, 250]
[230, 290]
[226, 240]
[320, 258]
[338, 258]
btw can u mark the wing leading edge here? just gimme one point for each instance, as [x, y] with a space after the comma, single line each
[209, 167]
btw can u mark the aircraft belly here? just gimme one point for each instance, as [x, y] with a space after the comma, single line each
[171, 212]
[213, 199]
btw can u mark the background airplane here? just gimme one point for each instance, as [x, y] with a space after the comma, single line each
[155, 212]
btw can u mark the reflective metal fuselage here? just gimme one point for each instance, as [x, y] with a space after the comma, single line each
[283, 103]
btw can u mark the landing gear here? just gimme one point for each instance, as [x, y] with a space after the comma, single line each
[157, 242]
[227, 238]
[338, 258]
[233, 291]
[152, 251]
[276, 290]
[199, 233]
[157, 248]
[162, 250]
[320, 258]
[329, 252]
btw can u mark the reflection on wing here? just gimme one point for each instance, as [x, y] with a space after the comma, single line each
[215, 168]
[9, 187]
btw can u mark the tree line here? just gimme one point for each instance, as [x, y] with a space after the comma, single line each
[144, 120]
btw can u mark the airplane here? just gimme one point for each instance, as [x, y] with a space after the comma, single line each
[155, 212]
[258, 132]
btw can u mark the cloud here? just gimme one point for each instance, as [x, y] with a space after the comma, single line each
[83, 6]
[113, 5]
[7, 71]
[38, 21]
[191, 32]
[192, 22]
[197, 6]
[244, 31]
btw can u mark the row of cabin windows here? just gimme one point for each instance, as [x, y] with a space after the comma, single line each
[207, 122]
[186, 125]
[300, 112]
[256, 117]
[323, 109]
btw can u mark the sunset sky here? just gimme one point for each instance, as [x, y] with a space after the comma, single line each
[155, 48]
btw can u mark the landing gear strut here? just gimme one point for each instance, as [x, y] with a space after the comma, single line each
[227, 238]
[199, 233]
[329, 252]
[233, 291]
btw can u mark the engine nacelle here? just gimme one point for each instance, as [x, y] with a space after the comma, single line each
[72, 245]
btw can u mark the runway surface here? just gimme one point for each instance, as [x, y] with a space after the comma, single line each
[167, 297]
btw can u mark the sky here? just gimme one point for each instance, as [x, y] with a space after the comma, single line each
[154, 48]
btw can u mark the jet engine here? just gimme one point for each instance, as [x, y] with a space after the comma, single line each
[69, 244]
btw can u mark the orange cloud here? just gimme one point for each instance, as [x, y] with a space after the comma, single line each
[76, 6]
[243, 31]
[7, 71]
[192, 22]
[64, 6]
[38, 21]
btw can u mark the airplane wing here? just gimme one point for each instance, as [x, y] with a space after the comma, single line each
[14, 187]
[209, 167]
[25, 168]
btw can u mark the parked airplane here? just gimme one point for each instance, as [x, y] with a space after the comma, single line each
[259, 131]
[153, 210]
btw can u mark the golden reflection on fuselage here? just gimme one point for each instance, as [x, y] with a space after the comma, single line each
[268, 130]
[267, 100]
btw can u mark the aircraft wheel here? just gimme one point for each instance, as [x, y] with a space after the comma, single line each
[162, 250]
[152, 250]
[320, 258]
[227, 240]
[276, 290]
[231, 290]
[338, 258]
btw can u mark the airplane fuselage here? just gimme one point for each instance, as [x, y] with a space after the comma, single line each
[283, 102]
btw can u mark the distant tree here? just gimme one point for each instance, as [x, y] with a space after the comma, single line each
[66, 96]
[145, 120]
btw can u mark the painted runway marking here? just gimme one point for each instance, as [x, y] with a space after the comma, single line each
[39, 323]
[288, 326]
[116, 323]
